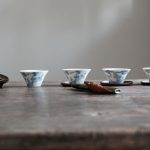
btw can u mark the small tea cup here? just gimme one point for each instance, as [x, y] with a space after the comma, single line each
[116, 75]
[147, 72]
[33, 78]
[76, 75]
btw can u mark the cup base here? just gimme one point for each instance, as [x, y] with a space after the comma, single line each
[145, 82]
[66, 84]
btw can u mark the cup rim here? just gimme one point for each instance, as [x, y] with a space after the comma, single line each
[31, 71]
[75, 69]
[146, 68]
[116, 69]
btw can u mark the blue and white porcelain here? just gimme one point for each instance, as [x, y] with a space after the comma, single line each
[147, 72]
[76, 76]
[116, 75]
[34, 78]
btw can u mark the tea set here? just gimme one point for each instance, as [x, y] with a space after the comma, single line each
[77, 76]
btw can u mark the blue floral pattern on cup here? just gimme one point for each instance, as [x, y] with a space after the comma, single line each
[33, 78]
[76, 76]
[116, 75]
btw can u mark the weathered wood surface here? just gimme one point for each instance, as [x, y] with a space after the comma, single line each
[54, 117]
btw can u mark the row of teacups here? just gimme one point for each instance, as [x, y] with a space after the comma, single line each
[34, 78]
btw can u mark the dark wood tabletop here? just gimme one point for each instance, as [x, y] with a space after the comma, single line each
[56, 117]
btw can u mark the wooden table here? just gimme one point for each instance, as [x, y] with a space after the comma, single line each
[55, 117]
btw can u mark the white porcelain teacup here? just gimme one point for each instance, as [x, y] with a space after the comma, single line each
[147, 72]
[76, 75]
[116, 75]
[34, 78]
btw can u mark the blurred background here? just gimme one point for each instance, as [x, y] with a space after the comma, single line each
[56, 34]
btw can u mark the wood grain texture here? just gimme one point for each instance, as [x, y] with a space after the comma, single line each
[56, 117]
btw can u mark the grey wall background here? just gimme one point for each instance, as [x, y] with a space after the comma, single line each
[56, 34]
